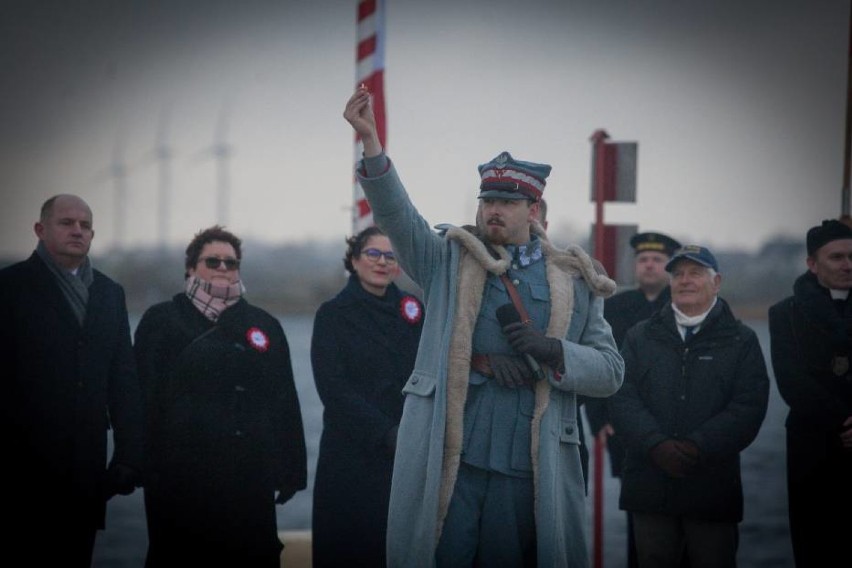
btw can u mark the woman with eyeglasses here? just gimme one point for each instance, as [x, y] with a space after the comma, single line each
[362, 351]
[226, 441]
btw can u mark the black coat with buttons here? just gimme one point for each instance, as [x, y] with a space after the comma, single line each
[225, 431]
[362, 352]
[712, 389]
[64, 385]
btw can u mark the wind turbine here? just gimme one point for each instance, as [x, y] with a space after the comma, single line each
[163, 154]
[221, 151]
[117, 172]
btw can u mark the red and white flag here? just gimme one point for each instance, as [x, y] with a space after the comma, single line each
[370, 70]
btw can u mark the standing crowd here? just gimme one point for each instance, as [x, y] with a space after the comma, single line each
[452, 428]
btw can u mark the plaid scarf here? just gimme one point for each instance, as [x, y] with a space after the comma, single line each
[211, 299]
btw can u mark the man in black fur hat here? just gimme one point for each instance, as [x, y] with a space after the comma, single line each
[811, 334]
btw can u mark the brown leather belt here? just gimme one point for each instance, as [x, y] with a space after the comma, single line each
[479, 363]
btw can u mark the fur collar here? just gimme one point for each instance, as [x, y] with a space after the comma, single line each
[572, 259]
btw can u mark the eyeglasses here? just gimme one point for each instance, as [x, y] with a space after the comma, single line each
[373, 255]
[213, 262]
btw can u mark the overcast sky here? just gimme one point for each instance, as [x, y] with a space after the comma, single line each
[738, 107]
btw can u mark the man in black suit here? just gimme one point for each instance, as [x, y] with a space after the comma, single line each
[68, 376]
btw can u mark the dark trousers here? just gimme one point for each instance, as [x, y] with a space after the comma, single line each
[65, 539]
[490, 522]
[820, 509]
[662, 541]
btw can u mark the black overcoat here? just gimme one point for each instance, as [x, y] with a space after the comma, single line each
[225, 430]
[63, 386]
[362, 351]
[811, 349]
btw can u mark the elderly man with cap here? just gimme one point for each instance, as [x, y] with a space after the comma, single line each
[623, 311]
[694, 396]
[811, 337]
[487, 468]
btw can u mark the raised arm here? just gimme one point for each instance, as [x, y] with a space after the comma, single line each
[359, 113]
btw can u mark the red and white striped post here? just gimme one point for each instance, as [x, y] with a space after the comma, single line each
[370, 70]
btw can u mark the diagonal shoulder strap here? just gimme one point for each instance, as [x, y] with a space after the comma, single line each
[516, 299]
[513, 292]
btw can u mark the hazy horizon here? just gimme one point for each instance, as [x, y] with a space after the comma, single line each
[738, 108]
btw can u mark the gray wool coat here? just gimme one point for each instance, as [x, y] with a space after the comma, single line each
[452, 267]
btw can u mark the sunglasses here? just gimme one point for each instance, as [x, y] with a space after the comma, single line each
[213, 262]
[373, 255]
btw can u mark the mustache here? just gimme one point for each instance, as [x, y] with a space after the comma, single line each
[495, 221]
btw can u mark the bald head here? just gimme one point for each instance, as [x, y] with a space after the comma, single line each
[63, 198]
[65, 228]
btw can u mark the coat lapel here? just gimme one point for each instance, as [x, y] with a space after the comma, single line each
[51, 294]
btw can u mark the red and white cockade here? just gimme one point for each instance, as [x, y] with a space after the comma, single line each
[257, 339]
[410, 309]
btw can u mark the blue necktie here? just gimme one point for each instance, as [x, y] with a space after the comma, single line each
[690, 331]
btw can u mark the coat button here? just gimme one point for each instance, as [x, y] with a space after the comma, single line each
[569, 430]
[516, 282]
[240, 388]
[238, 433]
[415, 380]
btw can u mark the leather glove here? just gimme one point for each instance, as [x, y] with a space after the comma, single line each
[120, 480]
[678, 458]
[527, 339]
[284, 495]
[510, 371]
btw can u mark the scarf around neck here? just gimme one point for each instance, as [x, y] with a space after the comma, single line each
[212, 299]
[75, 287]
[683, 321]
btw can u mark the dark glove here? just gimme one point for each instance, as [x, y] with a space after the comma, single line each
[284, 495]
[527, 339]
[677, 458]
[510, 371]
[120, 480]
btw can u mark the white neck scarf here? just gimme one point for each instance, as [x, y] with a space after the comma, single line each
[683, 321]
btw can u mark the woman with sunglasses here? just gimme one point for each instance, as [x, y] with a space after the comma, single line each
[362, 351]
[226, 441]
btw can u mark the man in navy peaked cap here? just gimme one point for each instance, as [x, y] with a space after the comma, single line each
[487, 469]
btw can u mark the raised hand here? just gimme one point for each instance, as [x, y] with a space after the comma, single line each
[359, 113]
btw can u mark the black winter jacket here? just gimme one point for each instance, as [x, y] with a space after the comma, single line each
[712, 390]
